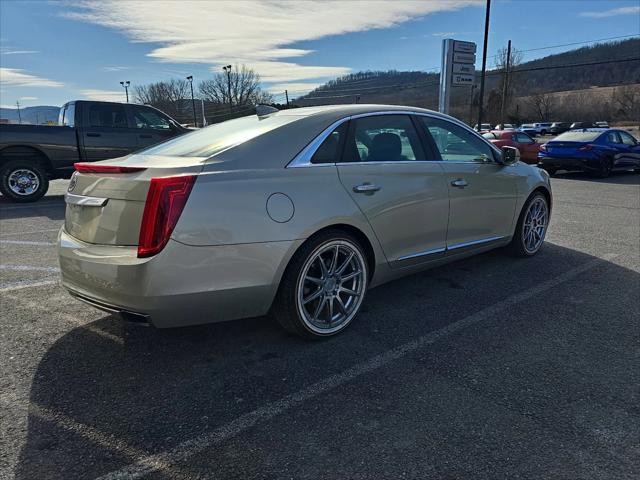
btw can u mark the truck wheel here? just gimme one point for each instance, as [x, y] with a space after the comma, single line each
[23, 181]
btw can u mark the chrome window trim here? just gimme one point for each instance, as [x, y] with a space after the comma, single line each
[72, 199]
[303, 159]
[449, 247]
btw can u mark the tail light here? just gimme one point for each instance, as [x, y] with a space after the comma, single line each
[165, 201]
[586, 147]
[84, 167]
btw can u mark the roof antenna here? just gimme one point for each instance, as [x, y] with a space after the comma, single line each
[264, 110]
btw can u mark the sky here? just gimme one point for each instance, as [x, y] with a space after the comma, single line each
[55, 51]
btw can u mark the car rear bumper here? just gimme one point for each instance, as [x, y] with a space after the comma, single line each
[182, 285]
[554, 163]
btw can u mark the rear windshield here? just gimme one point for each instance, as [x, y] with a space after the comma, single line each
[577, 137]
[208, 141]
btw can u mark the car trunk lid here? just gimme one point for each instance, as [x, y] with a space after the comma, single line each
[106, 200]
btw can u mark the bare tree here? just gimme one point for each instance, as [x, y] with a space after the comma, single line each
[508, 77]
[167, 96]
[626, 100]
[542, 105]
[244, 84]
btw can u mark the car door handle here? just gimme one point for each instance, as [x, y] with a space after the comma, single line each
[145, 136]
[91, 134]
[460, 183]
[366, 188]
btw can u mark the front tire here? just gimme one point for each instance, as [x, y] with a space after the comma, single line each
[532, 227]
[323, 287]
[23, 181]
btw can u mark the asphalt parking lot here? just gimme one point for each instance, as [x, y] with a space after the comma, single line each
[492, 367]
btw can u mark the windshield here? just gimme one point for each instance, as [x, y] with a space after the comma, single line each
[214, 139]
[577, 137]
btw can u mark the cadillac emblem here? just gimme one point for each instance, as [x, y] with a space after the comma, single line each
[72, 183]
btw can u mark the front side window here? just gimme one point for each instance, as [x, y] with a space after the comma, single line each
[628, 139]
[383, 138]
[108, 115]
[329, 151]
[147, 118]
[455, 143]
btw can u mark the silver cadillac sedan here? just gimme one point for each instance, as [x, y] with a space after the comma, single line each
[296, 213]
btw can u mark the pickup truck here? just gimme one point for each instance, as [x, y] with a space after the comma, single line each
[87, 131]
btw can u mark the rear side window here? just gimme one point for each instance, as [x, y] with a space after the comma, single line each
[221, 136]
[383, 138]
[455, 143]
[523, 138]
[613, 137]
[111, 116]
[329, 151]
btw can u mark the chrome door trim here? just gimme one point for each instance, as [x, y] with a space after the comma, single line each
[72, 199]
[474, 242]
[303, 159]
[423, 254]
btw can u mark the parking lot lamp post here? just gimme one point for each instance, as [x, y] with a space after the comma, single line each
[193, 102]
[227, 69]
[126, 88]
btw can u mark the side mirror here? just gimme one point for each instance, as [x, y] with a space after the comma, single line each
[510, 155]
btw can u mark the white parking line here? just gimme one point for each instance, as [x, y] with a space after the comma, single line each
[19, 285]
[183, 451]
[33, 206]
[29, 268]
[21, 242]
[15, 234]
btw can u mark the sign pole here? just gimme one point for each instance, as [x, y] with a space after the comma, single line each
[445, 76]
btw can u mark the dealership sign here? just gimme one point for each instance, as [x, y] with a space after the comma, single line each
[458, 69]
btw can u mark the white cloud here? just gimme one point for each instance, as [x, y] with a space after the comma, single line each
[104, 95]
[612, 13]
[28, 98]
[444, 34]
[257, 33]
[16, 77]
[115, 69]
[10, 51]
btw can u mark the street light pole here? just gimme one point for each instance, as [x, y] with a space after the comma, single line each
[126, 88]
[193, 102]
[484, 62]
[227, 68]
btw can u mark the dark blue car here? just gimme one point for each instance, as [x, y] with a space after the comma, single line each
[594, 150]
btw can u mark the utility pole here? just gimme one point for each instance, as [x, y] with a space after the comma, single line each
[484, 62]
[19, 115]
[227, 68]
[505, 83]
[286, 94]
[193, 102]
[126, 88]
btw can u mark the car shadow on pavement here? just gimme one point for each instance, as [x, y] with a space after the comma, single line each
[51, 206]
[107, 393]
[619, 178]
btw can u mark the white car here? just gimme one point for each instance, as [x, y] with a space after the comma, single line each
[535, 128]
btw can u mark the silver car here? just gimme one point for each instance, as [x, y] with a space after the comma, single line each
[296, 213]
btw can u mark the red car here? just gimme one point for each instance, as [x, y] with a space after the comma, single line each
[527, 146]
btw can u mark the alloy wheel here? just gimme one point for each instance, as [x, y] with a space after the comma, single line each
[535, 225]
[331, 286]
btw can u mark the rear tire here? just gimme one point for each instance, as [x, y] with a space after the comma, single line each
[605, 168]
[323, 287]
[531, 228]
[23, 181]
